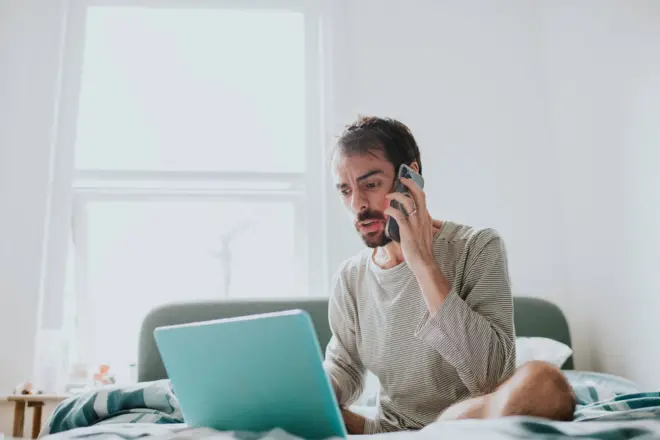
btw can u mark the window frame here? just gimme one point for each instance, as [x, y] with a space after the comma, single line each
[71, 189]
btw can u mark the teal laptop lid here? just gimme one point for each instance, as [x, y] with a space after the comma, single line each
[252, 373]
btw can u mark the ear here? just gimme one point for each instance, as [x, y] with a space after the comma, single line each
[415, 167]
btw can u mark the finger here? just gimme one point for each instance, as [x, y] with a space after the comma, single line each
[401, 219]
[417, 193]
[408, 208]
[404, 199]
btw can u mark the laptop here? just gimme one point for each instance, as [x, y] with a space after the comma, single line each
[252, 373]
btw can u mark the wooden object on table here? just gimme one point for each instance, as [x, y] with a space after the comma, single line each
[36, 401]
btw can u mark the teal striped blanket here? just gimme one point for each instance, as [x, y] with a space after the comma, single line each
[608, 407]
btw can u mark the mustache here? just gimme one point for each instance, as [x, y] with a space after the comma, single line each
[370, 215]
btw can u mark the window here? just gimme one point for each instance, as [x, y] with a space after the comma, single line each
[197, 158]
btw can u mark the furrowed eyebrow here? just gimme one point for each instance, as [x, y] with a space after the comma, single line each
[369, 174]
[361, 178]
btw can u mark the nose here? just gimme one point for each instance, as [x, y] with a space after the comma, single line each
[358, 202]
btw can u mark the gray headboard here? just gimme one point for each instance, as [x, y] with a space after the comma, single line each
[533, 317]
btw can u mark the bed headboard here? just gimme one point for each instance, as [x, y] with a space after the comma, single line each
[539, 317]
[533, 317]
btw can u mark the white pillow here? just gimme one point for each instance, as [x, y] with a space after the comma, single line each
[541, 349]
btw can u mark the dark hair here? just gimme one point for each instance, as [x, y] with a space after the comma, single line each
[393, 138]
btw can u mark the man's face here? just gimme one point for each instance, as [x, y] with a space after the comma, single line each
[363, 181]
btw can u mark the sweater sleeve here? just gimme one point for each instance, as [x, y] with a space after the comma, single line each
[342, 360]
[473, 329]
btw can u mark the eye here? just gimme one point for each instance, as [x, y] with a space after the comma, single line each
[345, 192]
[372, 185]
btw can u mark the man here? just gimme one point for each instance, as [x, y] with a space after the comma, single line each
[431, 316]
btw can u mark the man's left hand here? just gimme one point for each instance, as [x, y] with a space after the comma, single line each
[416, 227]
[354, 422]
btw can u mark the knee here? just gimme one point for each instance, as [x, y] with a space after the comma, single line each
[538, 389]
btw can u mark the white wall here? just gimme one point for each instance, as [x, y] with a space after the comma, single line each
[29, 31]
[29, 43]
[602, 67]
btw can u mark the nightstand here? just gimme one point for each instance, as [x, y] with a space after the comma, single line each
[37, 402]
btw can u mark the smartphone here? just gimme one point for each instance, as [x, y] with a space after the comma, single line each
[392, 227]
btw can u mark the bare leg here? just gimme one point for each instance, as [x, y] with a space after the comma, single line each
[536, 389]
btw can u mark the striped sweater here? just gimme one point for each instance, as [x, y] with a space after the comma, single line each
[424, 363]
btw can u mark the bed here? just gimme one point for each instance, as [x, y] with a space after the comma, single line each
[610, 407]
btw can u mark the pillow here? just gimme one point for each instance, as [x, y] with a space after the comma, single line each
[541, 349]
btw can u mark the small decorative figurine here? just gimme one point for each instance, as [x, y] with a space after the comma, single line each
[103, 377]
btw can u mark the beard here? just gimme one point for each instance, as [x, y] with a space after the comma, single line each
[372, 239]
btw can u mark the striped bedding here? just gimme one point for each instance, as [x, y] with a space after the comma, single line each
[608, 407]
